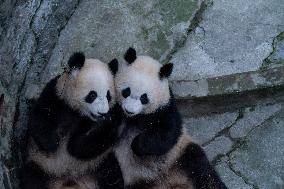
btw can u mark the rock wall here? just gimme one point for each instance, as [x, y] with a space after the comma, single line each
[217, 46]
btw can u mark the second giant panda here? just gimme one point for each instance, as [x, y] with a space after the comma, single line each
[72, 128]
[153, 150]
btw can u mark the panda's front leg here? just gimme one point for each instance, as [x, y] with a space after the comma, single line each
[155, 141]
[197, 166]
[90, 140]
[45, 137]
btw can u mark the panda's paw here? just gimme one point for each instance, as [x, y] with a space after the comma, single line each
[49, 145]
[137, 147]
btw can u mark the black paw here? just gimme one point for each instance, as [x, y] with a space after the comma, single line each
[48, 145]
[136, 146]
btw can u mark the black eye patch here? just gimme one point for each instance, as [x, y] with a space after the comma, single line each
[144, 99]
[91, 97]
[126, 92]
[108, 96]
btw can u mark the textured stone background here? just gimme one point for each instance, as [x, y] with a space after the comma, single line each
[219, 48]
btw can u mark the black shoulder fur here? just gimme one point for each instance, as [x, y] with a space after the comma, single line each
[161, 130]
[44, 118]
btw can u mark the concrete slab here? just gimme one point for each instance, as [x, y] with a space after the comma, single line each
[219, 146]
[203, 129]
[232, 180]
[253, 117]
[260, 159]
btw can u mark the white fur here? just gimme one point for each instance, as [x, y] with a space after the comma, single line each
[94, 75]
[132, 105]
[142, 76]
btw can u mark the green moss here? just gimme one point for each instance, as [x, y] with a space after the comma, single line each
[280, 61]
[158, 17]
[276, 56]
[280, 37]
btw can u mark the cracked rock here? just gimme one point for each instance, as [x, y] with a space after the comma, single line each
[238, 37]
[203, 129]
[219, 146]
[260, 159]
[232, 180]
[253, 117]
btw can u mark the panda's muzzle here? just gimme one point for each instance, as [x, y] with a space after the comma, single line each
[129, 112]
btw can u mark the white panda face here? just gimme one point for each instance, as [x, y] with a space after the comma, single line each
[139, 88]
[89, 90]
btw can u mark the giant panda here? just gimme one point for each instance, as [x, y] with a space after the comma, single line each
[153, 150]
[72, 128]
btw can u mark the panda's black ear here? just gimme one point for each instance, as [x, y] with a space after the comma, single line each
[76, 61]
[113, 66]
[166, 70]
[130, 55]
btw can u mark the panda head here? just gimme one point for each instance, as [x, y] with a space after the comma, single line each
[142, 85]
[88, 86]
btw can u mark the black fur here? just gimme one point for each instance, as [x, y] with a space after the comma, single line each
[76, 61]
[161, 130]
[92, 139]
[113, 66]
[197, 167]
[166, 70]
[45, 117]
[142, 184]
[1, 104]
[109, 174]
[130, 55]
[33, 177]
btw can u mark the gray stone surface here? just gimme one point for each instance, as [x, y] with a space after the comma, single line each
[276, 58]
[203, 129]
[105, 29]
[260, 159]
[232, 180]
[271, 76]
[219, 146]
[253, 117]
[233, 37]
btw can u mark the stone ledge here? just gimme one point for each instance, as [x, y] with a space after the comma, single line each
[229, 84]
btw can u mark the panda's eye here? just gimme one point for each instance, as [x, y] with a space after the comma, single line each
[91, 97]
[126, 92]
[144, 99]
[108, 96]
